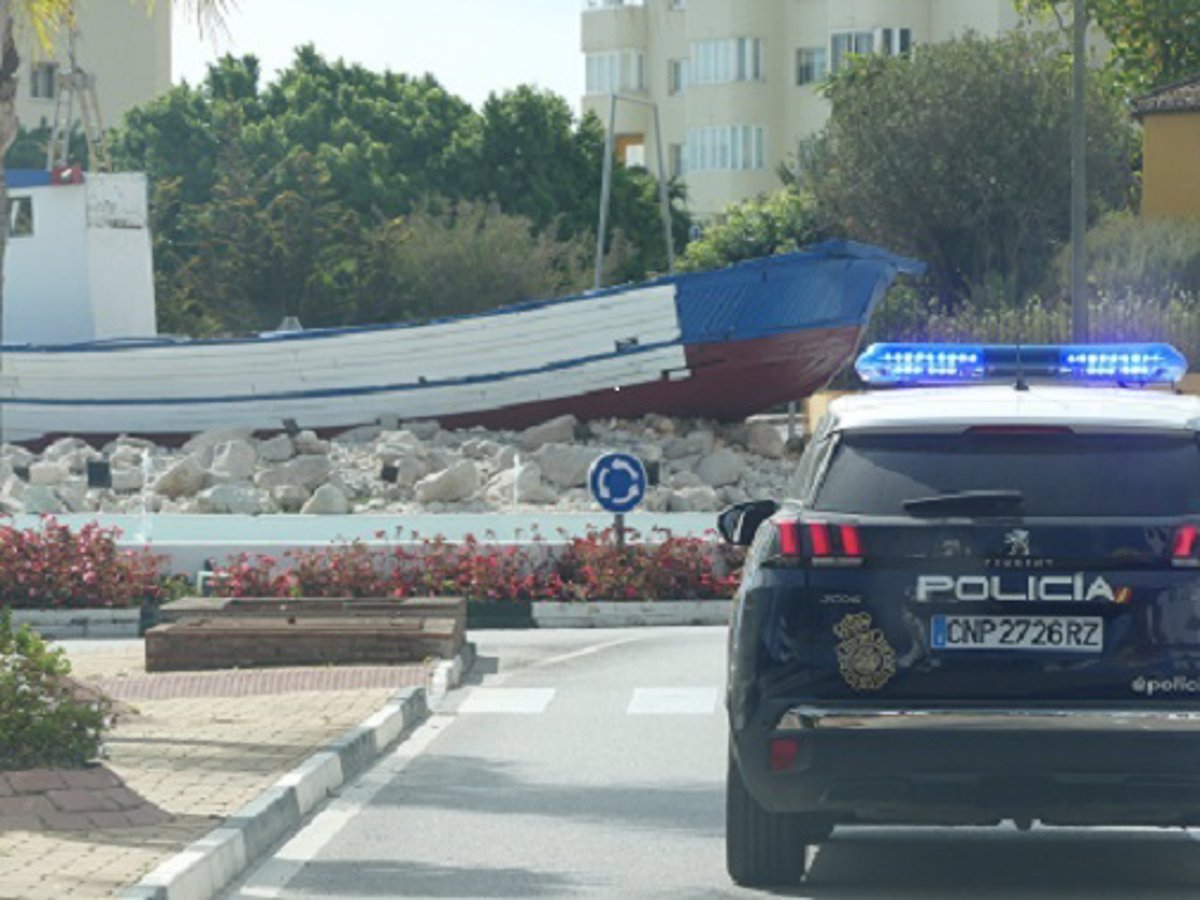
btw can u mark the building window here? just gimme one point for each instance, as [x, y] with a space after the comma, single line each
[621, 70]
[43, 81]
[726, 148]
[677, 76]
[843, 44]
[893, 41]
[812, 65]
[728, 60]
[20, 217]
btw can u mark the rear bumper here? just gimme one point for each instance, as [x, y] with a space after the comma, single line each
[979, 766]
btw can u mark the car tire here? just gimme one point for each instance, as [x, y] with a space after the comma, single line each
[763, 849]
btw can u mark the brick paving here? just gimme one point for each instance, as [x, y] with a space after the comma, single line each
[197, 756]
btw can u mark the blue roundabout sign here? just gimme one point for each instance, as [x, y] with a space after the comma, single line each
[618, 482]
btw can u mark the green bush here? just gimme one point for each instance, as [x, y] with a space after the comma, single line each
[1128, 254]
[906, 315]
[42, 724]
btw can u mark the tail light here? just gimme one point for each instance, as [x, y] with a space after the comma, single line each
[819, 543]
[1185, 547]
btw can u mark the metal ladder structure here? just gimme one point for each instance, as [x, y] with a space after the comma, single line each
[77, 83]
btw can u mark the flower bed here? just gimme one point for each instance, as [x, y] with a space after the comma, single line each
[593, 567]
[55, 568]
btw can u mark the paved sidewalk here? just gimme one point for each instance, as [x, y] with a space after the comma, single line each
[197, 755]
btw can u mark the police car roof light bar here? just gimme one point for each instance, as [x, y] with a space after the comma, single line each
[931, 364]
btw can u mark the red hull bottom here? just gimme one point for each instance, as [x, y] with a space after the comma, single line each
[728, 382]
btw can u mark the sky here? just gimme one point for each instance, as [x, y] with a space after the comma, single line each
[473, 47]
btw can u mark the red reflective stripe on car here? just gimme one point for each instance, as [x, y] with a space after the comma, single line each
[1185, 542]
[818, 533]
[789, 537]
[851, 541]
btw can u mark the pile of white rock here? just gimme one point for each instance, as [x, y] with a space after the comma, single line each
[413, 467]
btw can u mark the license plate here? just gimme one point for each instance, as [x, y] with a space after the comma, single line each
[1078, 634]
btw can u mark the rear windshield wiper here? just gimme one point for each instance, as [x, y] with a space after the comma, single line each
[966, 503]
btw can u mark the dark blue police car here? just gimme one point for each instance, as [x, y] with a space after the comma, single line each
[983, 604]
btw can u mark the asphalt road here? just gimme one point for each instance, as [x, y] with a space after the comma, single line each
[591, 763]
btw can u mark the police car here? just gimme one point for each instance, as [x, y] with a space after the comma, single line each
[982, 605]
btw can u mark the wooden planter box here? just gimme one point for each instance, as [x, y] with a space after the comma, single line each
[217, 633]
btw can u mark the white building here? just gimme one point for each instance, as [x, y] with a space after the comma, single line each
[735, 81]
[126, 46]
[78, 265]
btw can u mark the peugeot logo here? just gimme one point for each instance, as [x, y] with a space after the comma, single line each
[1016, 543]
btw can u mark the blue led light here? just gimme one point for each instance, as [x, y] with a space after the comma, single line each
[901, 364]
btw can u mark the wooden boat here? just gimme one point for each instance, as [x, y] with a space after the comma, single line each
[720, 345]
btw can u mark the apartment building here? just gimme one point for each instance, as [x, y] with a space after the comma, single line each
[125, 46]
[735, 81]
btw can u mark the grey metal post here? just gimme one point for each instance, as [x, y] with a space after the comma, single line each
[606, 190]
[1079, 298]
[619, 526]
[664, 195]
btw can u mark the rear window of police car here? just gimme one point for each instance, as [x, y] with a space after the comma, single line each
[1058, 474]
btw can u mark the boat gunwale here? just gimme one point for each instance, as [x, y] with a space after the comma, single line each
[830, 250]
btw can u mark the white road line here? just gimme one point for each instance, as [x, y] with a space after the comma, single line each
[271, 879]
[501, 677]
[508, 701]
[673, 702]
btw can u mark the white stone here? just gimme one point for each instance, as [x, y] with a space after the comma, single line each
[528, 487]
[290, 498]
[278, 449]
[697, 499]
[185, 478]
[566, 465]
[327, 501]
[230, 499]
[555, 431]
[209, 439]
[450, 485]
[128, 480]
[17, 456]
[480, 449]
[424, 430]
[308, 444]
[124, 456]
[764, 439]
[309, 472]
[42, 500]
[697, 443]
[686, 479]
[234, 461]
[395, 444]
[409, 470]
[506, 458]
[64, 447]
[48, 473]
[73, 494]
[721, 468]
[364, 434]
[13, 487]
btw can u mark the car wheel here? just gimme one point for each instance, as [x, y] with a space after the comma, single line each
[763, 849]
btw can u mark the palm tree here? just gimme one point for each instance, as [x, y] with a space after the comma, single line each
[46, 21]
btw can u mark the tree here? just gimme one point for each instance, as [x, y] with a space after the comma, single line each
[960, 156]
[761, 226]
[46, 19]
[1155, 42]
[310, 173]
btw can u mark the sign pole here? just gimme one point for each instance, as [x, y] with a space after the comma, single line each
[619, 524]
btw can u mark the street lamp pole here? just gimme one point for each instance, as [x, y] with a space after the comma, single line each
[1079, 298]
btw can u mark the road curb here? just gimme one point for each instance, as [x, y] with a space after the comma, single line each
[204, 869]
[631, 614]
